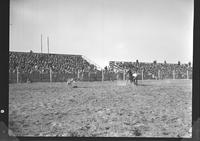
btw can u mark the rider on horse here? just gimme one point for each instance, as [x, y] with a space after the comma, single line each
[135, 78]
[130, 75]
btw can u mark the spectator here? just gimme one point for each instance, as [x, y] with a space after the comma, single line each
[27, 62]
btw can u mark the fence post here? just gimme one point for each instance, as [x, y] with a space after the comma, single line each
[124, 75]
[158, 74]
[142, 75]
[89, 75]
[17, 75]
[78, 75]
[161, 76]
[117, 75]
[187, 74]
[173, 74]
[102, 75]
[50, 75]
[95, 75]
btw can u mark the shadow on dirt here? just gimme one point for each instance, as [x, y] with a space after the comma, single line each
[85, 86]
[143, 85]
[80, 87]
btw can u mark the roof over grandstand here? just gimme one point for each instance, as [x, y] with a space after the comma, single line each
[46, 53]
[105, 30]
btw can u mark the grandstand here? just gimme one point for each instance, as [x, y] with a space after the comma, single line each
[43, 67]
[41, 61]
[155, 70]
[29, 63]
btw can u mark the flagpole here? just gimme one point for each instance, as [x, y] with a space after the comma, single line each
[48, 44]
[41, 43]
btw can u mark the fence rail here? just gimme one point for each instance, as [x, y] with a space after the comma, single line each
[50, 76]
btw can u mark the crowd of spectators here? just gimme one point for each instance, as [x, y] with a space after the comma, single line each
[152, 70]
[27, 62]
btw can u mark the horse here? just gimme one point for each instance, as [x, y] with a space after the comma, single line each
[135, 78]
[130, 76]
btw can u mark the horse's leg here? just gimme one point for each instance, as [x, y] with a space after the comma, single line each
[131, 79]
[136, 80]
[127, 81]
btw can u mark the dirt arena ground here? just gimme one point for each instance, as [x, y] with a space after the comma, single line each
[154, 108]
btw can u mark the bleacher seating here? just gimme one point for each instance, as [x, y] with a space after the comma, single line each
[29, 61]
[36, 66]
[152, 69]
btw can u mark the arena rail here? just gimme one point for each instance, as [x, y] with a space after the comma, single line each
[100, 75]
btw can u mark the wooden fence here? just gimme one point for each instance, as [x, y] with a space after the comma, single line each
[50, 76]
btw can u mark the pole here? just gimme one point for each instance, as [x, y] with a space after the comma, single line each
[187, 74]
[160, 74]
[41, 43]
[124, 76]
[117, 74]
[50, 75]
[48, 44]
[78, 75]
[142, 75]
[89, 75]
[102, 75]
[173, 74]
[95, 75]
[82, 75]
[17, 75]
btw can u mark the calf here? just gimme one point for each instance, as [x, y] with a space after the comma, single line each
[70, 81]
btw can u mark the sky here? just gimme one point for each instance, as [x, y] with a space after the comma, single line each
[105, 30]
